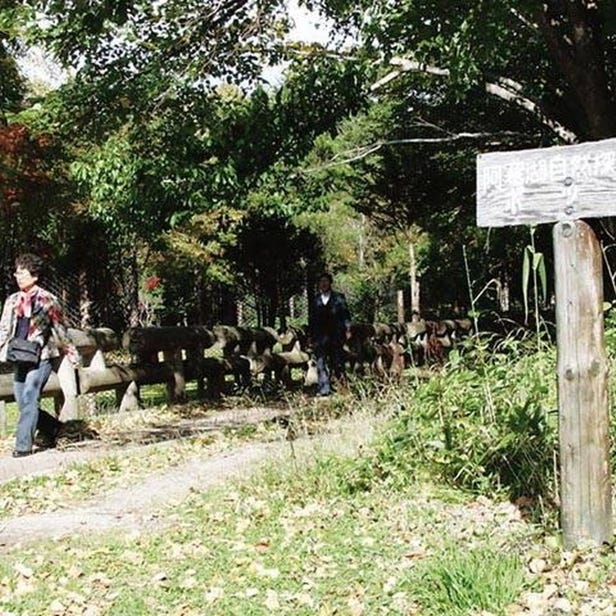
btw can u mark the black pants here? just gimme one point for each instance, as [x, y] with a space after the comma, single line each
[330, 361]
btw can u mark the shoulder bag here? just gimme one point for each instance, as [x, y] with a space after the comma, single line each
[21, 351]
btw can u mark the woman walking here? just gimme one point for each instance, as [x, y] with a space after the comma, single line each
[32, 332]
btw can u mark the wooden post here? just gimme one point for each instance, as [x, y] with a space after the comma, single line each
[130, 399]
[195, 359]
[176, 388]
[415, 302]
[67, 376]
[564, 184]
[400, 305]
[585, 481]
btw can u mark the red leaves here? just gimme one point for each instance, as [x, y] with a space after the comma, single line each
[23, 162]
[152, 283]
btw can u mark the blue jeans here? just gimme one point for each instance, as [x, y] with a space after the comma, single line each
[28, 383]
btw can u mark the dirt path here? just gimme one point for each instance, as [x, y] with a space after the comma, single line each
[56, 460]
[136, 506]
[144, 505]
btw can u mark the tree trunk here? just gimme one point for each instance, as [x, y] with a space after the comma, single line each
[414, 280]
[84, 301]
[133, 290]
[572, 31]
[361, 251]
[504, 292]
[274, 306]
[400, 305]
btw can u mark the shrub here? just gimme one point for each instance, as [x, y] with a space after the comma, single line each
[486, 422]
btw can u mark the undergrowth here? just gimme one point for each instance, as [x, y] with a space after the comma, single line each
[486, 422]
[460, 582]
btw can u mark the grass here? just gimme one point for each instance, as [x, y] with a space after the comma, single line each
[457, 582]
[287, 541]
[123, 460]
[484, 423]
[415, 521]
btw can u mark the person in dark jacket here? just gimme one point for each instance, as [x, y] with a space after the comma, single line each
[330, 326]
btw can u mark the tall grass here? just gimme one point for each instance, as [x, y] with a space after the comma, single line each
[457, 582]
[486, 422]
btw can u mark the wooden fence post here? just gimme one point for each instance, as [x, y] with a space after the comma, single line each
[400, 305]
[176, 389]
[67, 376]
[130, 398]
[586, 510]
[195, 359]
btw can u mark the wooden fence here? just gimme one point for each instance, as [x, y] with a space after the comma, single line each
[177, 355]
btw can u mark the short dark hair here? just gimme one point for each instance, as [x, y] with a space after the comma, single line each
[328, 276]
[31, 262]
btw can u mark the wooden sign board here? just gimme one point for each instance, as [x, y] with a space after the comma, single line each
[543, 185]
[560, 185]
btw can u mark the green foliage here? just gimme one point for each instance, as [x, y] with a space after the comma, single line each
[484, 423]
[11, 83]
[378, 165]
[162, 50]
[533, 262]
[516, 43]
[273, 257]
[458, 582]
[166, 127]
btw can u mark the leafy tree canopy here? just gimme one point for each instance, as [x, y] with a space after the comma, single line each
[552, 60]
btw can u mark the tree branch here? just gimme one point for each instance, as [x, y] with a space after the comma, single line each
[524, 20]
[503, 88]
[363, 152]
[511, 95]
[408, 66]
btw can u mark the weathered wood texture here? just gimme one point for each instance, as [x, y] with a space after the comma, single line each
[247, 353]
[586, 510]
[546, 184]
[101, 339]
[144, 340]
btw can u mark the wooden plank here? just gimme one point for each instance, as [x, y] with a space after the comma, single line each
[52, 387]
[546, 184]
[91, 340]
[586, 506]
[176, 387]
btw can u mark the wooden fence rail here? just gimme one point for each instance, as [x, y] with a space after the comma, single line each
[177, 355]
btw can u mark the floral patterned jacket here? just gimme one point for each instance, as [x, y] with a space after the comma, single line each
[46, 326]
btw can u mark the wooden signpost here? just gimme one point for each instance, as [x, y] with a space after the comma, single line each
[561, 185]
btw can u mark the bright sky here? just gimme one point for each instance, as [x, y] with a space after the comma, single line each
[308, 27]
[39, 68]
